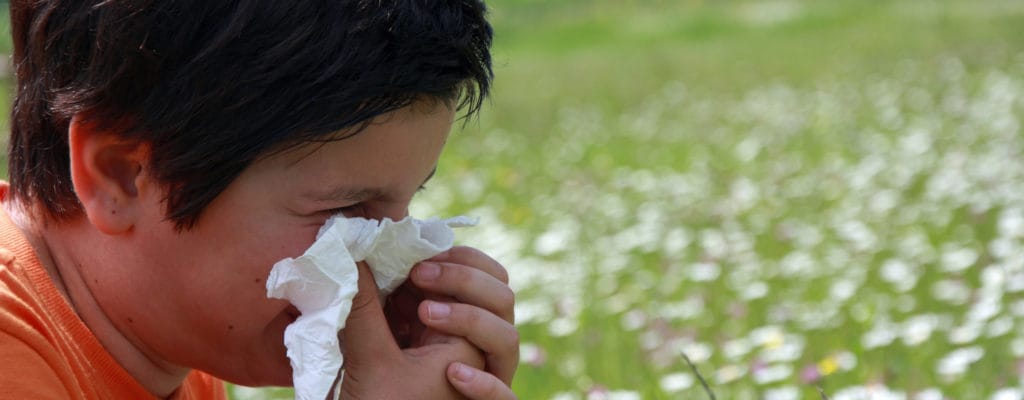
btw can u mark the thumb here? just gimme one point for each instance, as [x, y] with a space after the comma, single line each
[367, 336]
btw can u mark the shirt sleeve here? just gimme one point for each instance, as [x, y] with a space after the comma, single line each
[25, 374]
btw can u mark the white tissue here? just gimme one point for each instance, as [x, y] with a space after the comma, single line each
[322, 283]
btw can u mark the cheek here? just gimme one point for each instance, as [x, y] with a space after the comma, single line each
[272, 247]
[266, 245]
[236, 269]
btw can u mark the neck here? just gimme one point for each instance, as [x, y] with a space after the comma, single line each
[72, 252]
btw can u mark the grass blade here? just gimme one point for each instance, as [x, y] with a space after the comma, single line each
[700, 377]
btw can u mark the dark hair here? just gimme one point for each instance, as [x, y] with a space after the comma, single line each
[214, 85]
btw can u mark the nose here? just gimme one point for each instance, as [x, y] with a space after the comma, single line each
[396, 212]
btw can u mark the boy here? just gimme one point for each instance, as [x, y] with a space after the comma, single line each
[165, 153]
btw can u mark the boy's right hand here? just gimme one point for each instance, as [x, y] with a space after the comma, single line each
[375, 366]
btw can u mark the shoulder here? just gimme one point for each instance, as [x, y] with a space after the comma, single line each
[23, 314]
[30, 364]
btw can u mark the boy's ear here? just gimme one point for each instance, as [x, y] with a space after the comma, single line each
[106, 171]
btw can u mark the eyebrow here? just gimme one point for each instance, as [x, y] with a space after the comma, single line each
[429, 176]
[347, 194]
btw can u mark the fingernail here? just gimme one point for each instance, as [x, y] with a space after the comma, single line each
[438, 310]
[429, 271]
[463, 373]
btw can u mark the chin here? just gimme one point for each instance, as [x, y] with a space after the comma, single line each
[267, 366]
[280, 378]
[273, 375]
[262, 359]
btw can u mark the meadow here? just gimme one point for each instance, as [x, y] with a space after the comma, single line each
[807, 199]
[802, 197]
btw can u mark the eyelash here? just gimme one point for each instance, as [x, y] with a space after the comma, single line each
[340, 210]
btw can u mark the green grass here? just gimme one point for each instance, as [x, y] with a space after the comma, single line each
[800, 150]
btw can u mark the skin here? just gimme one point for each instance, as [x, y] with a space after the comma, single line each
[205, 299]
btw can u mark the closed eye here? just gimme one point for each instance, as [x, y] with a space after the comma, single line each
[357, 209]
[348, 211]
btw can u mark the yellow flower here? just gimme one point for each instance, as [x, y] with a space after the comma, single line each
[828, 366]
[774, 341]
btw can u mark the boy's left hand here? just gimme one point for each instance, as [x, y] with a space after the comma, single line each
[474, 289]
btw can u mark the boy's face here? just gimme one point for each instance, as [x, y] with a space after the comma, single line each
[206, 305]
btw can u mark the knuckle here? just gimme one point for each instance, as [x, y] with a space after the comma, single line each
[458, 252]
[457, 276]
[490, 389]
[502, 274]
[506, 298]
[360, 302]
[471, 316]
[505, 302]
[478, 259]
[514, 341]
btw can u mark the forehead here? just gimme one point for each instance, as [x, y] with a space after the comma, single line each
[393, 149]
[427, 116]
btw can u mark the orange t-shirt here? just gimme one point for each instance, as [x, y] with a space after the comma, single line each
[46, 351]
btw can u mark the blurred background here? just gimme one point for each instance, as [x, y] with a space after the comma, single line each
[806, 198]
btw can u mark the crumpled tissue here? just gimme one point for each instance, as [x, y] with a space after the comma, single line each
[322, 283]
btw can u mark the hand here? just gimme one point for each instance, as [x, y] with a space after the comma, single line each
[375, 366]
[480, 308]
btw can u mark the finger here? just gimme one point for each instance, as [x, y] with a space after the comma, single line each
[367, 336]
[437, 356]
[478, 385]
[497, 338]
[475, 258]
[467, 285]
